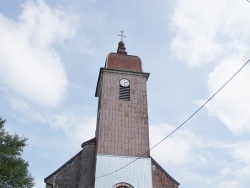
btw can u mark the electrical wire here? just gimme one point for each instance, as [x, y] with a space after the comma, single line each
[209, 99]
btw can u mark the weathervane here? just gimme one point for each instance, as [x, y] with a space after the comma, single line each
[121, 35]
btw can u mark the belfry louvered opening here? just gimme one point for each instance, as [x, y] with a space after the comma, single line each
[124, 93]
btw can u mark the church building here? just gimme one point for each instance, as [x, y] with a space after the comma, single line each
[119, 154]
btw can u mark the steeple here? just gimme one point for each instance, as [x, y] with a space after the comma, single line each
[118, 156]
[121, 48]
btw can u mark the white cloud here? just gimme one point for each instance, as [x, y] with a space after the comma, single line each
[195, 154]
[29, 64]
[241, 152]
[75, 127]
[218, 32]
[196, 29]
[237, 171]
[207, 30]
[27, 114]
[176, 149]
[231, 105]
[226, 171]
[230, 184]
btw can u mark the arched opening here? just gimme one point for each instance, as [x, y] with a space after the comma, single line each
[122, 185]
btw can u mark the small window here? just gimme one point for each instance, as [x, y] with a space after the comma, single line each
[124, 93]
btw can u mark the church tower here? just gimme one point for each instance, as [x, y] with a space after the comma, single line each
[118, 156]
[122, 123]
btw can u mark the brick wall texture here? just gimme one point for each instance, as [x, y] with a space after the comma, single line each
[123, 125]
[161, 179]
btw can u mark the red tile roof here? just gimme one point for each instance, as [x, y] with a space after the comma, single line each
[121, 61]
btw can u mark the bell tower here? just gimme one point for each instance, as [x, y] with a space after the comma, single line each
[118, 156]
[122, 122]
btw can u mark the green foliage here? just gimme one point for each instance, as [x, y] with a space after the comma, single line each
[13, 169]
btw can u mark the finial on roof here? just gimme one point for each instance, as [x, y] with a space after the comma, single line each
[121, 46]
[121, 35]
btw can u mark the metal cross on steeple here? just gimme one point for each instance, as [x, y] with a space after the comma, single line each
[121, 35]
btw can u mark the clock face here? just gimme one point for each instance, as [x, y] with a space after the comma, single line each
[124, 82]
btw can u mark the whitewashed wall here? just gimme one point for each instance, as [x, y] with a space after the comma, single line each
[138, 174]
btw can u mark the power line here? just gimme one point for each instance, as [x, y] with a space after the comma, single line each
[183, 122]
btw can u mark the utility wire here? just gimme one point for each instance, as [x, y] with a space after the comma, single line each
[183, 122]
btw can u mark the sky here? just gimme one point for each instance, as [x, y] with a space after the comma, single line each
[51, 52]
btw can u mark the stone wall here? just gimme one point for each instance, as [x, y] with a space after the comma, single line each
[87, 169]
[67, 176]
[161, 179]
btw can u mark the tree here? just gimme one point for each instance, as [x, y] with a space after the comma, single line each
[13, 169]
